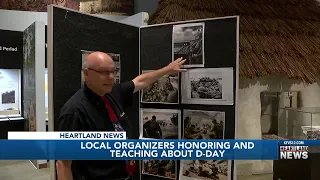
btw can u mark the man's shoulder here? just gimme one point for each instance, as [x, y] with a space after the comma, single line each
[73, 104]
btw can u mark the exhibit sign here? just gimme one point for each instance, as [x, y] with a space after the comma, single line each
[11, 49]
[10, 99]
[34, 80]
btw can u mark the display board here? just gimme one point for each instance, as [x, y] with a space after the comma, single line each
[197, 104]
[69, 34]
[34, 80]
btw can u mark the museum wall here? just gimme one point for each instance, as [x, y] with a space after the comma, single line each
[249, 112]
[20, 20]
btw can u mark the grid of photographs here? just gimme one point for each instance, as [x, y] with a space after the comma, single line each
[116, 59]
[198, 85]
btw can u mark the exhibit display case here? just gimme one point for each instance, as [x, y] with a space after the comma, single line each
[300, 123]
[10, 91]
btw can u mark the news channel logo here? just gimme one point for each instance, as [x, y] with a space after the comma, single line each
[294, 152]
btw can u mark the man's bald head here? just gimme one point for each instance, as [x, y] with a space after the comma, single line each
[98, 59]
[99, 72]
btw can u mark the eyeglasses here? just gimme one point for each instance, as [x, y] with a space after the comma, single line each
[105, 72]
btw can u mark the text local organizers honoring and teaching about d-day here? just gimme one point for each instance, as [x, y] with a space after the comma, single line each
[156, 148]
[116, 146]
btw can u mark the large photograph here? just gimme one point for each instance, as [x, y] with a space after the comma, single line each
[160, 124]
[204, 170]
[116, 59]
[212, 86]
[199, 124]
[188, 42]
[164, 90]
[160, 168]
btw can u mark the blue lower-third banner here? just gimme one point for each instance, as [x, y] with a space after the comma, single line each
[139, 149]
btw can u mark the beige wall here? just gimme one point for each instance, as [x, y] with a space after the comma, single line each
[249, 112]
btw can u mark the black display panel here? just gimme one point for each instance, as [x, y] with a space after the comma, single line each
[11, 49]
[218, 39]
[73, 32]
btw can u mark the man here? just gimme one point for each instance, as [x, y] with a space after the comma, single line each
[87, 110]
[152, 129]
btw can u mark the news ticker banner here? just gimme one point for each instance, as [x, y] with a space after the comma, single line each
[115, 146]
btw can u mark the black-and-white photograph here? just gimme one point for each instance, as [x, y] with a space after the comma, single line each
[204, 169]
[213, 86]
[199, 124]
[160, 124]
[116, 59]
[311, 132]
[188, 42]
[164, 90]
[160, 168]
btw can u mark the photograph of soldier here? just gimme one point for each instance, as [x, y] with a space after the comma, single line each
[160, 124]
[160, 168]
[188, 42]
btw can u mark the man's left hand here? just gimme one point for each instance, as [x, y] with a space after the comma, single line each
[175, 66]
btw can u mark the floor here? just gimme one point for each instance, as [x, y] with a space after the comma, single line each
[24, 170]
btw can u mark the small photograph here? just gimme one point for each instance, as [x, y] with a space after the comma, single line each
[204, 169]
[311, 132]
[160, 124]
[213, 86]
[116, 60]
[198, 124]
[164, 90]
[8, 97]
[188, 42]
[117, 81]
[160, 168]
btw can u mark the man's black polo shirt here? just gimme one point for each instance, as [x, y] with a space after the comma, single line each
[85, 111]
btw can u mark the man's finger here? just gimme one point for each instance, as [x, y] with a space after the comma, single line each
[183, 61]
[179, 59]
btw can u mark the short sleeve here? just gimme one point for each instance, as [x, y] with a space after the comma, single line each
[124, 93]
[69, 122]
